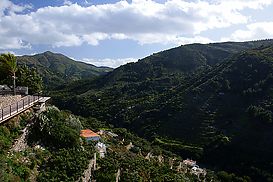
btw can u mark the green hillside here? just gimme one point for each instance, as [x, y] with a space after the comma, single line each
[57, 69]
[211, 102]
[158, 73]
[228, 114]
[169, 68]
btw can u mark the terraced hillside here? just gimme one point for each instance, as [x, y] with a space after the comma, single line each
[212, 111]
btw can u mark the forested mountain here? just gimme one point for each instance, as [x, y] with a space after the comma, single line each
[57, 69]
[211, 102]
[167, 68]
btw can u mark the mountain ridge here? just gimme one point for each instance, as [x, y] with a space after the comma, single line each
[57, 69]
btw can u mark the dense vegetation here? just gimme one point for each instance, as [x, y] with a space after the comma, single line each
[58, 132]
[57, 69]
[55, 152]
[15, 166]
[211, 102]
[14, 75]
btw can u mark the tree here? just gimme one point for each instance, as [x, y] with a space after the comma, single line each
[53, 129]
[10, 62]
[30, 78]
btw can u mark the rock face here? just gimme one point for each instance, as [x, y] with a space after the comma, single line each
[21, 144]
[6, 100]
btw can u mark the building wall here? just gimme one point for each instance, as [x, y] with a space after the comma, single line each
[93, 138]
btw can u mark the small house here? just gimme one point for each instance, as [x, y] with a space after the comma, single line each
[189, 162]
[89, 135]
[111, 134]
[101, 148]
[107, 133]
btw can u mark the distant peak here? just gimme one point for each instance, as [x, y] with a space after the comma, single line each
[48, 52]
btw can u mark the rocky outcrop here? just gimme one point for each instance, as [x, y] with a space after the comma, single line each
[21, 144]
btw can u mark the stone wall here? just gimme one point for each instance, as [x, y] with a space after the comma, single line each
[6, 100]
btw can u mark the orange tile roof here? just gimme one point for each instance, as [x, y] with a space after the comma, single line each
[88, 133]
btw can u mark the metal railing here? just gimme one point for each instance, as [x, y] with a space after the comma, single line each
[18, 106]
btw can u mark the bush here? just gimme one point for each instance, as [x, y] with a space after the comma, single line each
[260, 114]
[65, 165]
[54, 130]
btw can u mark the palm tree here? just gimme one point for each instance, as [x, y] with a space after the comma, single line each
[10, 62]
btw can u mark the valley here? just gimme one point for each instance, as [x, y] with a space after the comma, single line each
[208, 102]
[136, 91]
[205, 105]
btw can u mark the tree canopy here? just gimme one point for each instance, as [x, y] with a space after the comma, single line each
[21, 75]
[10, 63]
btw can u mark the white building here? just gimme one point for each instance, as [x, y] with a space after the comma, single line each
[101, 148]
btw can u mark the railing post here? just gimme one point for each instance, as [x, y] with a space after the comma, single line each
[17, 106]
[23, 103]
[28, 99]
[10, 110]
[2, 114]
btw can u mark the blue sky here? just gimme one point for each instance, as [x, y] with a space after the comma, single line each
[111, 33]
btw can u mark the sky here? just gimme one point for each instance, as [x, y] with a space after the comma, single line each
[112, 32]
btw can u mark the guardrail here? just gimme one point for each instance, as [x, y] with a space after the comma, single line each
[18, 107]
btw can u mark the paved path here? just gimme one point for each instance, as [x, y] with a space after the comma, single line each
[18, 107]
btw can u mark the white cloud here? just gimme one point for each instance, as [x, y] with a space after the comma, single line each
[5, 52]
[166, 39]
[11, 8]
[259, 30]
[13, 43]
[94, 38]
[67, 2]
[241, 4]
[113, 63]
[144, 21]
